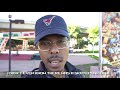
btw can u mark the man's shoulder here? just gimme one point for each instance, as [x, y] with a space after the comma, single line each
[72, 68]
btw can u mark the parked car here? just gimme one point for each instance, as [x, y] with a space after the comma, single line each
[70, 50]
[36, 56]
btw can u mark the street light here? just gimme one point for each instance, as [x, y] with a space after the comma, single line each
[16, 22]
[10, 16]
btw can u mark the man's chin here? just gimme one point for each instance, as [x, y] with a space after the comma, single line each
[56, 70]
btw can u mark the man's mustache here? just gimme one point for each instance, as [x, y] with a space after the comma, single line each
[55, 56]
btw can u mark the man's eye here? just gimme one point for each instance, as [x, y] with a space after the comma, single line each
[45, 43]
[61, 41]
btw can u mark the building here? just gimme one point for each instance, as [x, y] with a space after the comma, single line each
[19, 31]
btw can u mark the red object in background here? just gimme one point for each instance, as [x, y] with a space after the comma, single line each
[31, 33]
[20, 57]
[26, 35]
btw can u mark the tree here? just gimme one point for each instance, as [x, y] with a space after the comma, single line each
[93, 35]
[71, 30]
[75, 32]
[78, 37]
[16, 42]
[30, 42]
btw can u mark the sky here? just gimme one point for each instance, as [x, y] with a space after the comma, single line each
[84, 19]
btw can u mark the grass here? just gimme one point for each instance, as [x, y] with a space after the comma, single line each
[108, 65]
[90, 51]
[93, 56]
[86, 68]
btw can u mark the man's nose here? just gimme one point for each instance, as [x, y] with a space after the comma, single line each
[54, 49]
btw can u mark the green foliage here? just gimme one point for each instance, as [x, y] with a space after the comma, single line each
[31, 42]
[14, 42]
[87, 51]
[75, 33]
[71, 30]
[93, 35]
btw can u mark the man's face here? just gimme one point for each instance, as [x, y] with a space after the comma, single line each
[57, 55]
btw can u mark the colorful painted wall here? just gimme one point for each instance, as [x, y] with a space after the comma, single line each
[111, 37]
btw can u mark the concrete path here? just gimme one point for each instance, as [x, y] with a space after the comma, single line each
[31, 64]
[81, 59]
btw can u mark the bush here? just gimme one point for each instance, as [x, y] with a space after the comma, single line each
[86, 51]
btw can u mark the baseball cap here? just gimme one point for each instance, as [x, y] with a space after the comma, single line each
[48, 25]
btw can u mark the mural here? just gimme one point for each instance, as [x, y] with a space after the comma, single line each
[111, 37]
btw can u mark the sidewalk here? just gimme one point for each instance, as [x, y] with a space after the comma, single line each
[81, 59]
[19, 65]
[28, 65]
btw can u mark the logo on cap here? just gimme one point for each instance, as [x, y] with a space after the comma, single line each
[48, 21]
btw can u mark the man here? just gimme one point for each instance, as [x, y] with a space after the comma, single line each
[52, 40]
